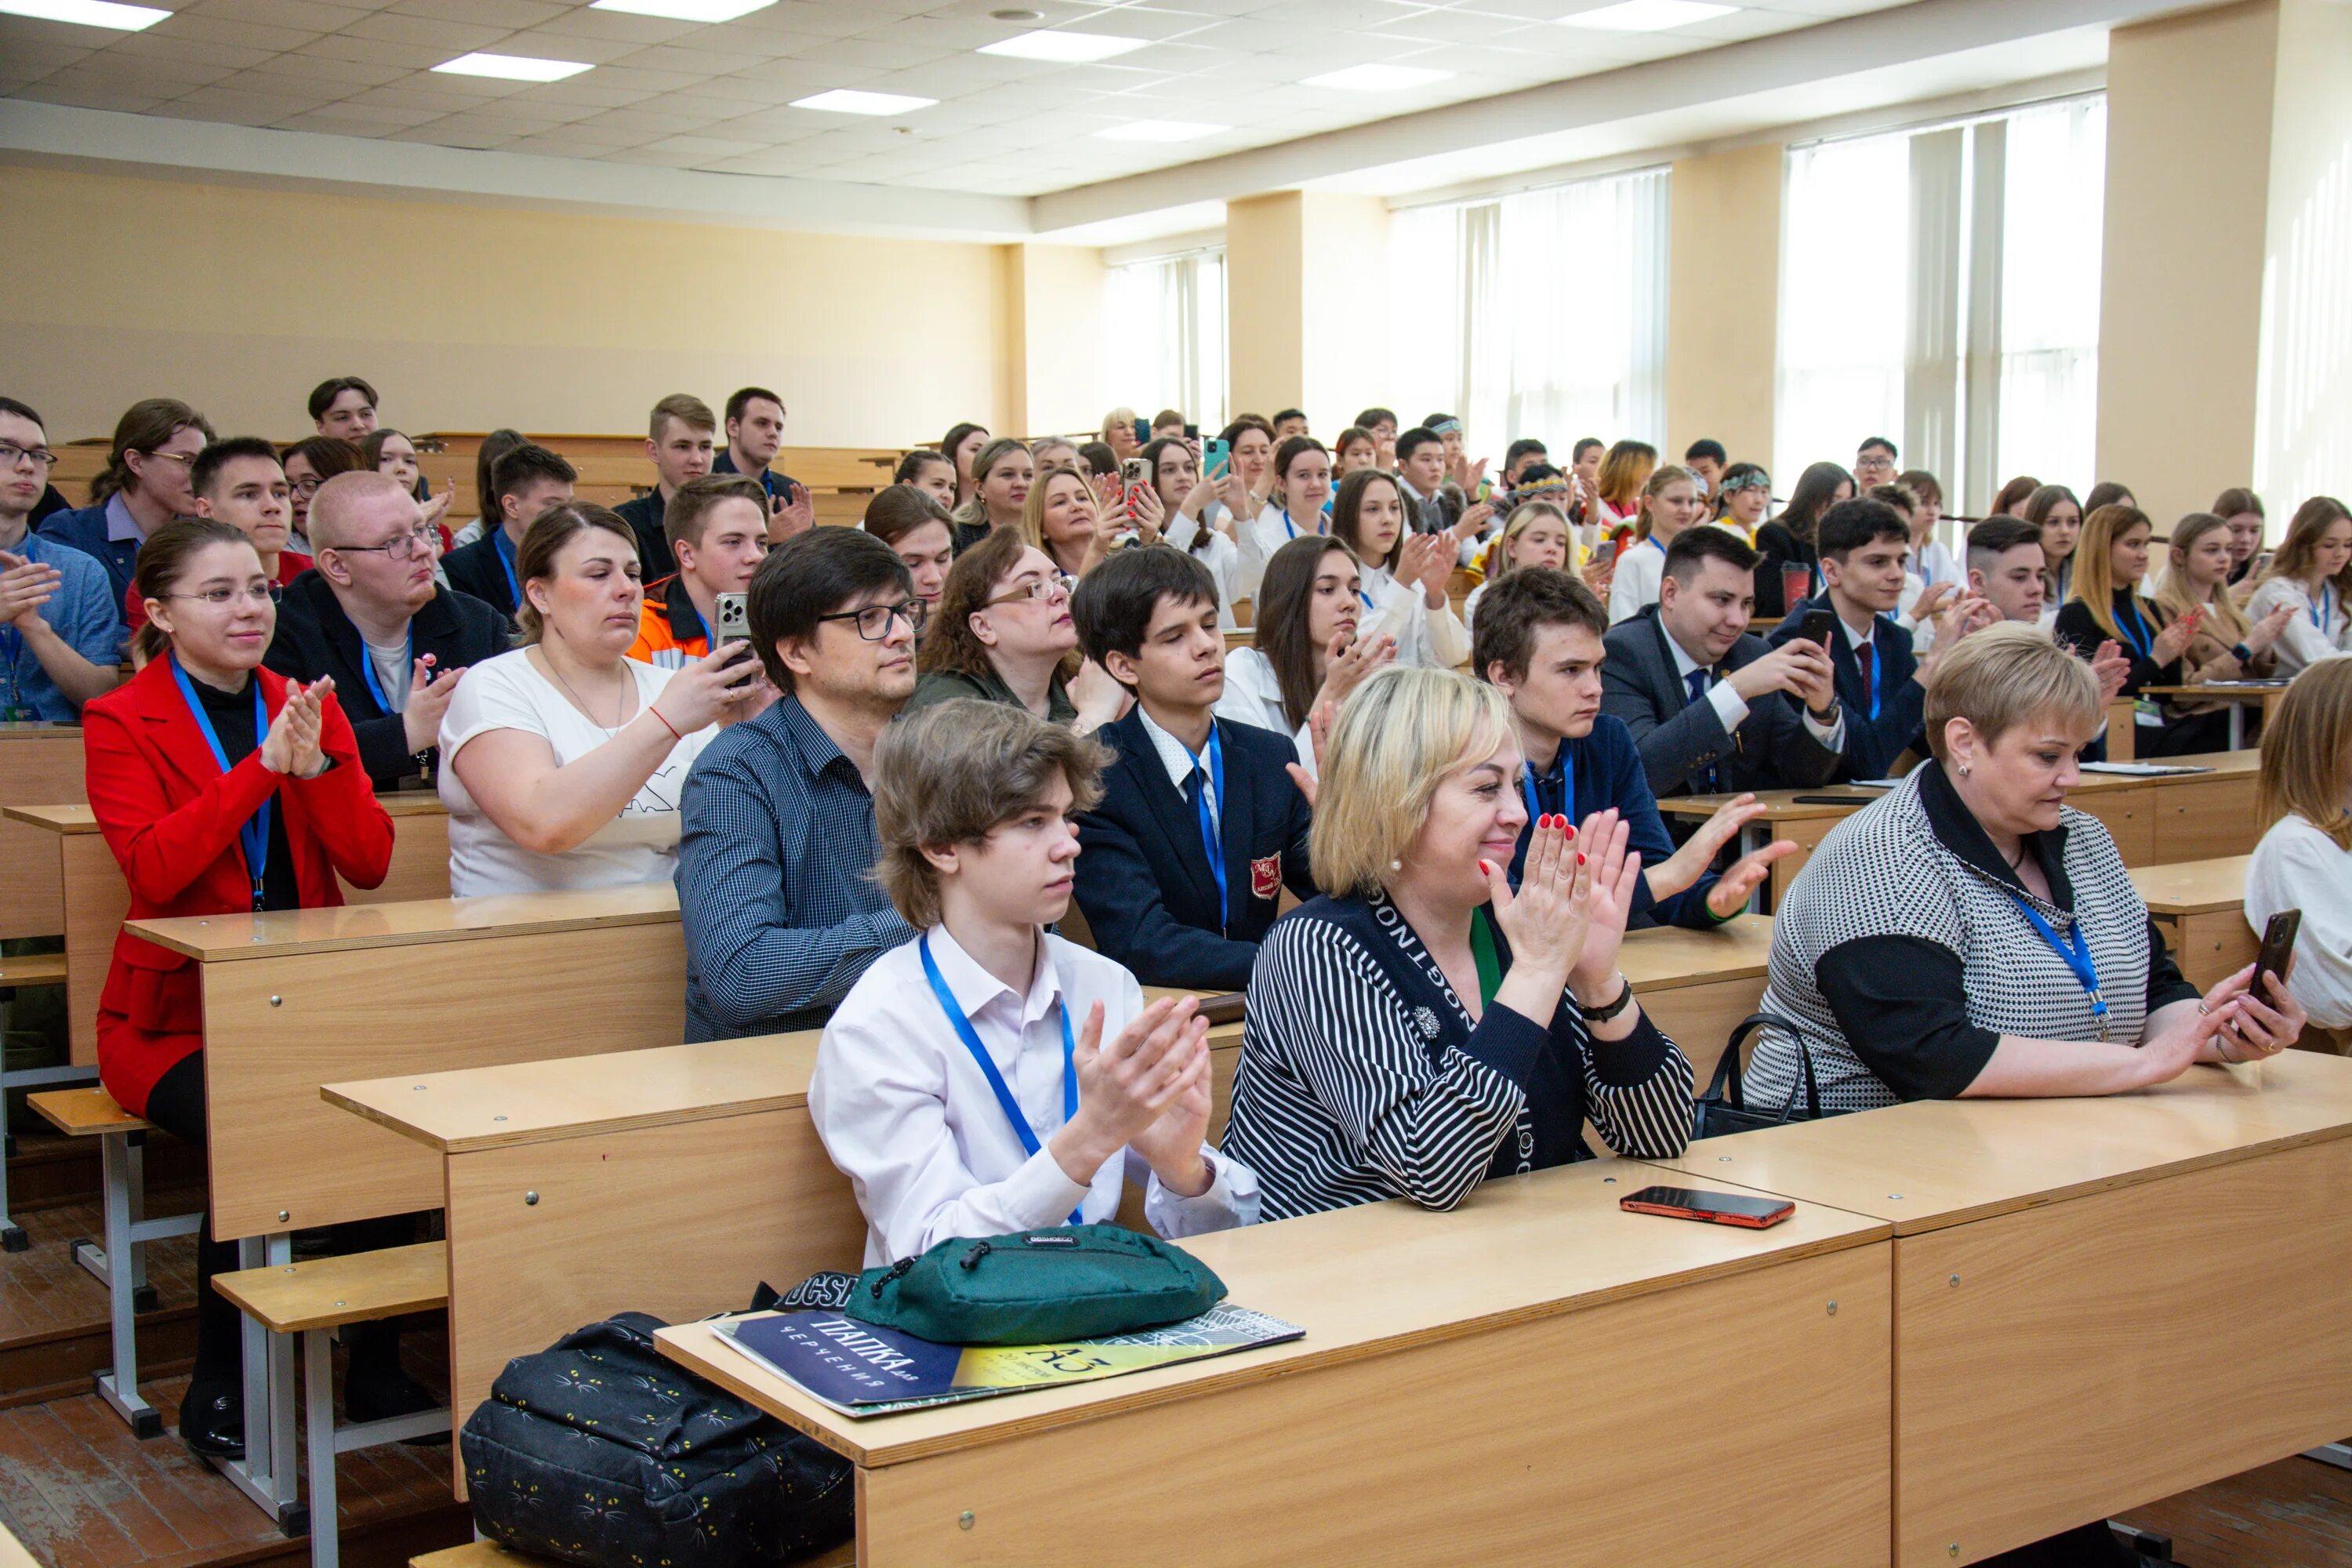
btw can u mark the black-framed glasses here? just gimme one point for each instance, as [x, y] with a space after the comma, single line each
[223, 597]
[1038, 588]
[425, 542]
[874, 620]
[309, 484]
[12, 454]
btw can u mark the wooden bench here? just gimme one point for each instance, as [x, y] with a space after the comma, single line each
[314, 1299]
[2200, 907]
[121, 1261]
[32, 969]
[490, 1555]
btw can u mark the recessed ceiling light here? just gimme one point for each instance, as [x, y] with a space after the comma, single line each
[1649, 15]
[512, 67]
[684, 10]
[850, 100]
[1377, 78]
[1017, 16]
[87, 13]
[1159, 131]
[1063, 48]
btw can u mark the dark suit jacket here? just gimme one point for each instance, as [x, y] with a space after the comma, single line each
[643, 515]
[1680, 740]
[476, 571]
[1143, 877]
[1871, 747]
[315, 638]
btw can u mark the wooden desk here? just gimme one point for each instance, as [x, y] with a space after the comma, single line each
[617, 465]
[40, 764]
[2239, 696]
[298, 998]
[2097, 1302]
[1510, 1341]
[94, 898]
[2201, 907]
[1696, 985]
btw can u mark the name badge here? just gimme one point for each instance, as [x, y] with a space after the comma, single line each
[2145, 711]
[1265, 877]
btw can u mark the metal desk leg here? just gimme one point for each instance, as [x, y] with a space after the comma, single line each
[2237, 726]
[265, 1474]
[12, 1235]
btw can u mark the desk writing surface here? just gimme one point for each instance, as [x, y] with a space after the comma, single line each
[72, 820]
[1665, 958]
[1361, 1279]
[2194, 887]
[274, 933]
[1937, 1163]
[1779, 805]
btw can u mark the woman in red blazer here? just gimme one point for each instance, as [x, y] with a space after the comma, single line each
[221, 788]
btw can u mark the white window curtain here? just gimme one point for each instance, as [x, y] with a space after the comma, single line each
[1541, 313]
[1169, 348]
[1943, 291]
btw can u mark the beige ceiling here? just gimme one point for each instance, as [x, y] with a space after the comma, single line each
[693, 96]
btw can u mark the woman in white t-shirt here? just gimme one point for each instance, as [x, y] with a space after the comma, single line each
[1295, 507]
[562, 762]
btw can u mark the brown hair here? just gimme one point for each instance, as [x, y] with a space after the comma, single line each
[1279, 631]
[687, 410]
[2016, 490]
[328, 455]
[1514, 608]
[897, 510]
[952, 773]
[1654, 486]
[974, 510]
[543, 541]
[2308, 753]
[1347, 511]
[1923, 485]
[688, 516]
[1625, 471]
[144, 426]
[164, 560]
[2313, 518]
[948, 643]
[2235, 500]
[2227, 621]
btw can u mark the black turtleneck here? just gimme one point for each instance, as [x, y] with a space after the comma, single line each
[232, 716]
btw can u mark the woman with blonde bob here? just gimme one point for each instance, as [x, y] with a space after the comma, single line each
[1968, 935]
[1419, 1027]
[2304, 861]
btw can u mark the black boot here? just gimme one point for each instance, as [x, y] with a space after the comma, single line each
[212, 1418]
[375, 1386]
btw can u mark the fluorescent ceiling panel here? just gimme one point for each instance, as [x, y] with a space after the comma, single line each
[684, 10]
[850, 100]
[1061, 47]
[1377, 78]
[512, 67]
[87, 13]
[1649, 15]
[1159, 131]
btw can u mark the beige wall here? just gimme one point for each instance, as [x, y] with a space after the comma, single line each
[1056, 292]
[2190, 104]
[1723, 300]
[467, 317]
[1344, 313]
[1265, 302]
[2304, 412]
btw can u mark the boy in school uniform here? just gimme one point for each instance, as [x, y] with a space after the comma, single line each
[1181, 782]
[989, 1077]
[680, 444]
[716, 528]
[523, 483]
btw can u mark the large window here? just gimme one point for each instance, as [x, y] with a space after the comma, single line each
[1169, 350]
[1940, 286]
[1541, 313]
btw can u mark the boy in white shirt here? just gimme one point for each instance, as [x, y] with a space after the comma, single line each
[989, 1077]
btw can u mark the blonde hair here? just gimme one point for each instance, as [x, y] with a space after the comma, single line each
[1398, 737]
[952, 773]
[2094, 569]
[1523, 517]
[1655, 486]
[2224, 622]
[2308, 753]
[1998, 678]
[1033, 511]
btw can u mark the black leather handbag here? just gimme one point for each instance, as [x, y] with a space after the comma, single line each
[1724, 1109]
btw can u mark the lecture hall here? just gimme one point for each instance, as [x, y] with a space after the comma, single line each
[973, 784]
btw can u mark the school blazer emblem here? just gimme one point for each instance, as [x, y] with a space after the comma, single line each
[1265, 877]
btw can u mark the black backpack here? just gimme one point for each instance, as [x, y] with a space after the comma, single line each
[603, 1452]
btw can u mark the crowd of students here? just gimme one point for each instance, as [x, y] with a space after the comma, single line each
[1008, 697]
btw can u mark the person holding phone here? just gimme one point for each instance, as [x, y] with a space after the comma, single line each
[716, 529]
[1425, 1024]
[2305, 860]
[2105, 605]
[1185, 493]
[562, 762]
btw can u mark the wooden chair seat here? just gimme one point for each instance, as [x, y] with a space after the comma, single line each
[490, 1554]
[86, 1113]
[34, 969]
[329, 1292]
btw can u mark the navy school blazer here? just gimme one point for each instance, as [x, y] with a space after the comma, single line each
[1144, 877]
[1870, 748]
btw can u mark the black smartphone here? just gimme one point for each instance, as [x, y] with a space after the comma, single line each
[1714, 1208]
[1816, 626]
[2278, 949]
[1192, 432]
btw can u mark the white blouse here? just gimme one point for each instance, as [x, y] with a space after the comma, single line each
[1253, 696]
[2317, 631]
[2297, 866]
[1426, 638]
[1634, 585]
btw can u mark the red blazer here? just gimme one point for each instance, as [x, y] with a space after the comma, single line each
[172, 817]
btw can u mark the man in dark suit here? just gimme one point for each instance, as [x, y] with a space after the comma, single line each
[1881, 684]
[1713, 711]
[523, 483]
[369, 614]
[1183, 783]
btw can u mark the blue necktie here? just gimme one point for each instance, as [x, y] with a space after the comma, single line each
[1697, 681]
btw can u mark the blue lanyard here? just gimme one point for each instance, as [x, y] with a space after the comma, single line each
[2323, 613]
[2136, 632]
[12, 648]
[1211, 830]
[1013, 1111]
[506, 558]
[374, 682]
[1567, 787]
[254, 837]
[1288, 527]
[2075, 950]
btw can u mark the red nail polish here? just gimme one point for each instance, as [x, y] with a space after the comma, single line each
[1484, 870]
[1571, 830]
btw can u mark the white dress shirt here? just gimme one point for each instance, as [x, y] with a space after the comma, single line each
[1271, 530]
[1426, 638]
[1732, 708]
[909, 1117]
[2297, 866]
[1641, 567]
[1253, 696]
[1181, 765]
[2317, 631]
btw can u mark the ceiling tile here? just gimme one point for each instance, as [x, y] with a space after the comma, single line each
[242, 108]
[373, 52]
[507, 13]
[88, 89]
[426, 32]
[873, 54]
[315, 69]
[333, 121]
[703, 149]
[301, 15]
[620, 27]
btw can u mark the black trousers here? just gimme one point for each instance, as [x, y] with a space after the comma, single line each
[176, 1104]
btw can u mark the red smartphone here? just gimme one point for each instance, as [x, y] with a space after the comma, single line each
[1714, 1208]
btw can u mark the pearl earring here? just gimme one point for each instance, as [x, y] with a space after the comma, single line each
[1964, 770]
[1396, 865]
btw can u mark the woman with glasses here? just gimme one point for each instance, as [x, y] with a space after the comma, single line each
[143, 485]
[310, 463]
[222, 788]
[562, 762]
[1003, 634]
[239, 482]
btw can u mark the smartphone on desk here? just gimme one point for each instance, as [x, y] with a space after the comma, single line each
[1713, 1208]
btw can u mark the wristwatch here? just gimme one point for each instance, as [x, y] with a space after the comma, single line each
[1602, 1015]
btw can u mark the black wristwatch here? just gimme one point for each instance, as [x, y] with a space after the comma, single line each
[2242, 654]
[1602, 1015]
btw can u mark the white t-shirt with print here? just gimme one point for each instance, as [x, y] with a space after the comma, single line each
[640, 845]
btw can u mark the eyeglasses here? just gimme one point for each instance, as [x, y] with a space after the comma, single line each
[220, 598]
[11, 455]
[186, 459]
[425, 542]
[309, 484]
[874, 620]
[1041, 588]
